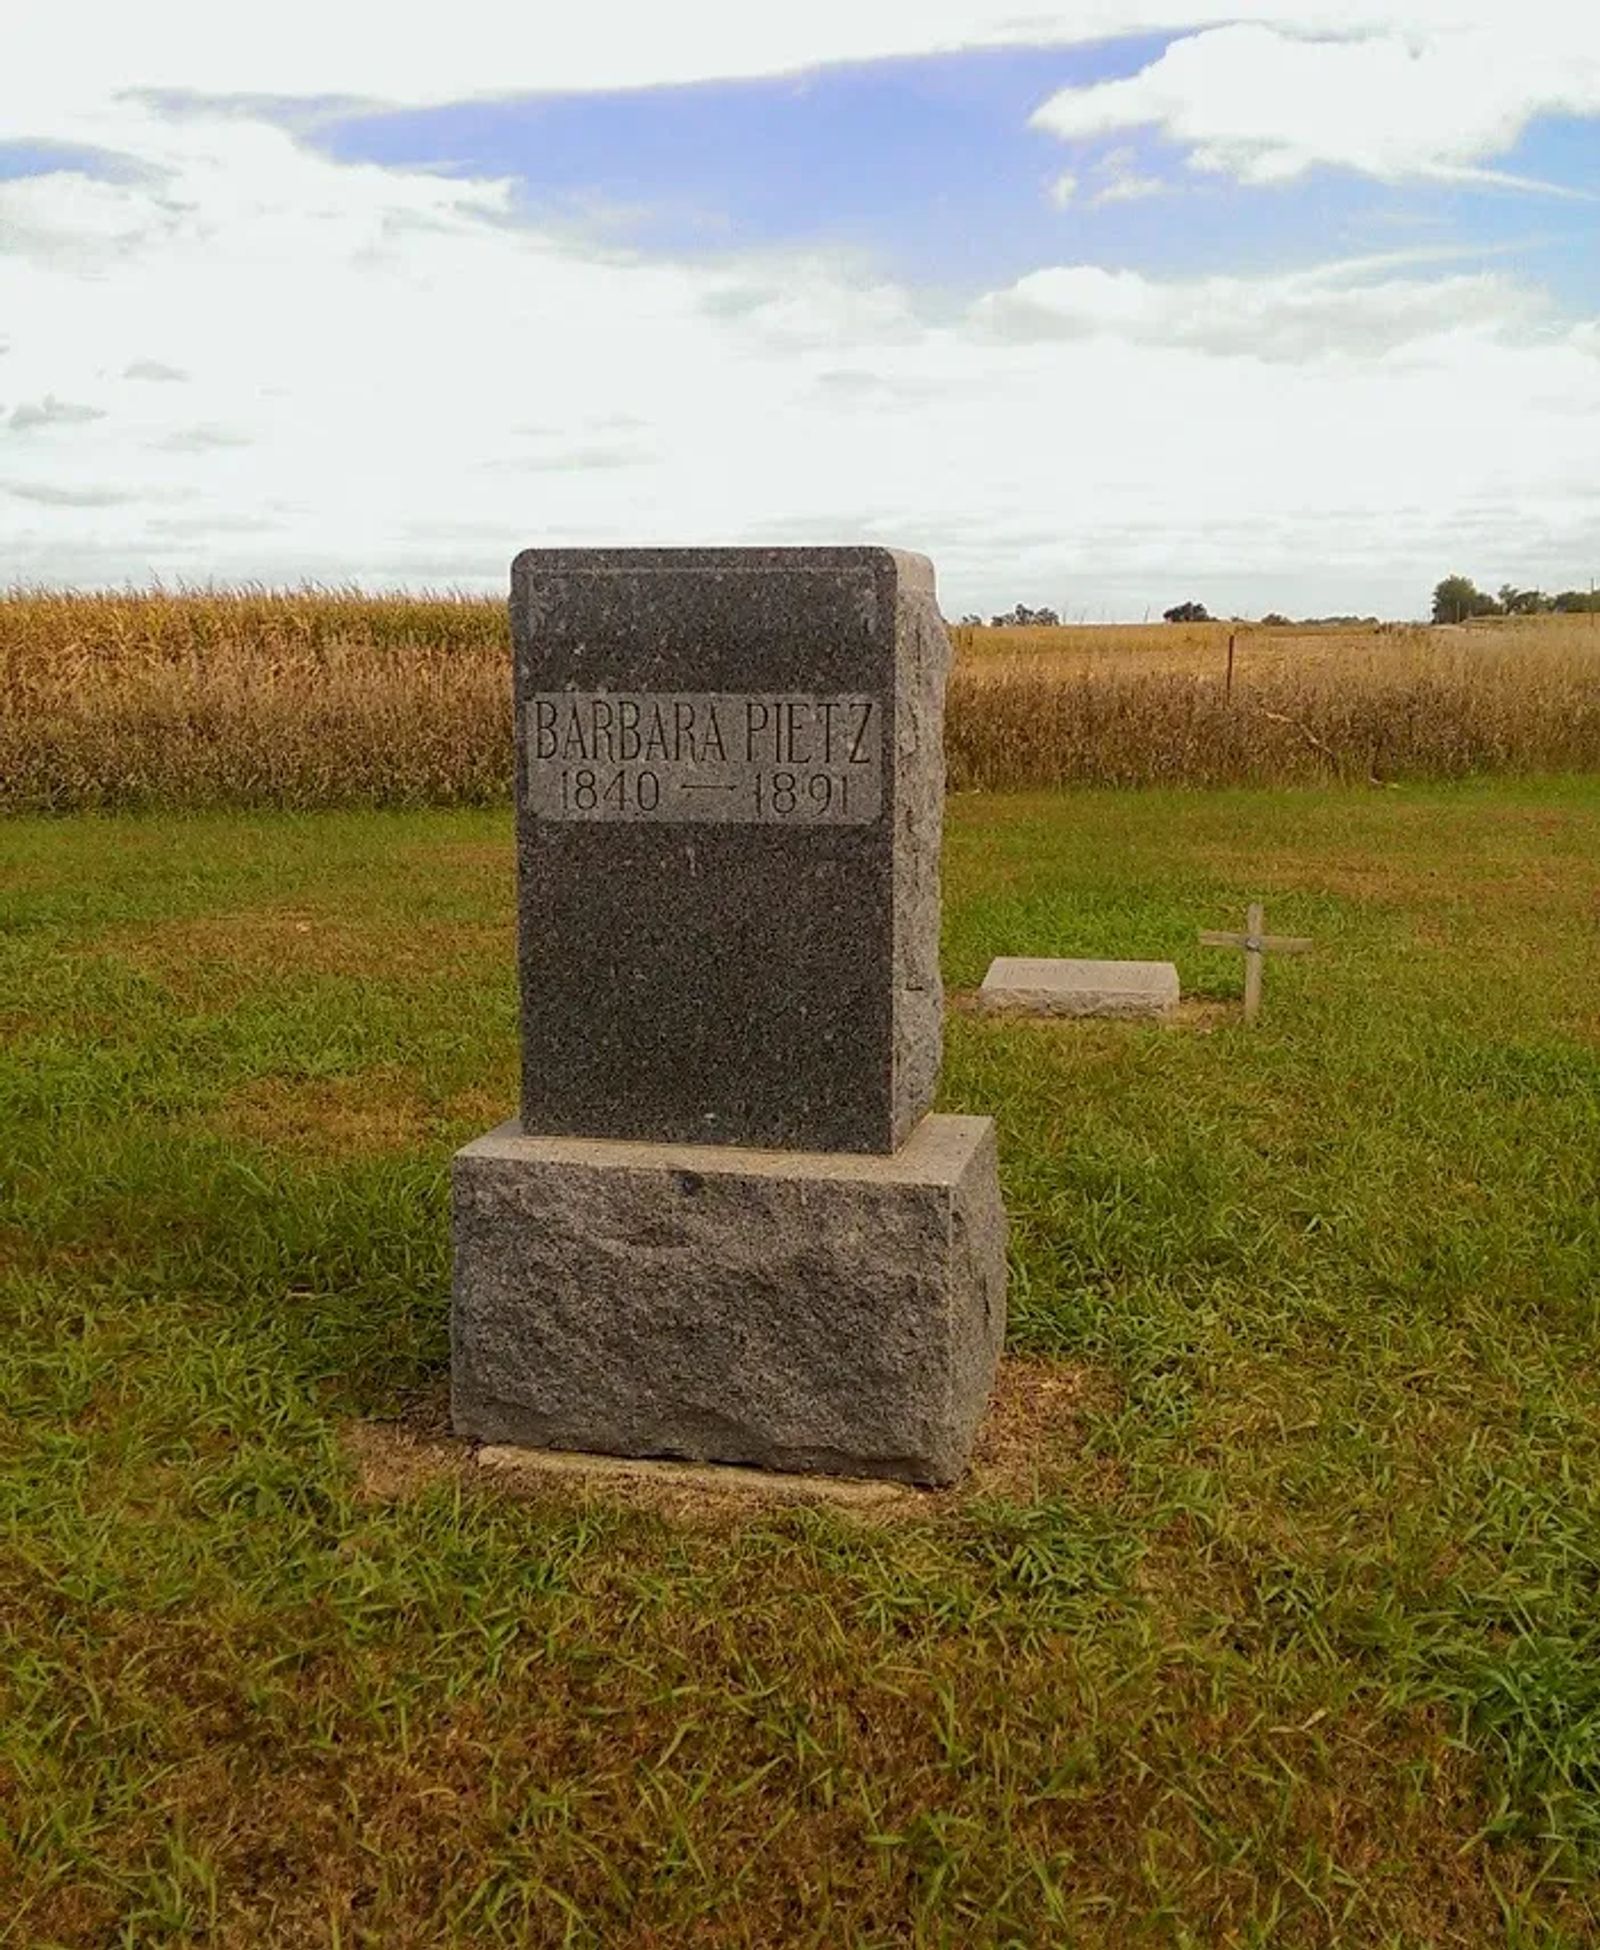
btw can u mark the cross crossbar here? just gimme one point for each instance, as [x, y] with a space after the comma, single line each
[1256, 943]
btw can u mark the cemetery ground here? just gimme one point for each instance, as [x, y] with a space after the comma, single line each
[1270, 1615]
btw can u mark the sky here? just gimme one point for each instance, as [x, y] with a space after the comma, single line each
[1287, 305]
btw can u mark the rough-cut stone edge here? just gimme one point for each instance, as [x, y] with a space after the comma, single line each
[1007, 990]
[922, 669]
[950, 1160]
[978, 1264]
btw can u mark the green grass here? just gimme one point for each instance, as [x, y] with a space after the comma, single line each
[1290, 1636]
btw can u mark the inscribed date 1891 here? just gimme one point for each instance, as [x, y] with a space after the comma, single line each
[784, 758]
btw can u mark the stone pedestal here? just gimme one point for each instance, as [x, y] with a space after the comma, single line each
[800, 1310]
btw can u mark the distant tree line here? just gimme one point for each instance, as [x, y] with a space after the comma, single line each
[1454, 600]
[1190, 612]
[1273, 620]
[1458, 597]
[1021, 618]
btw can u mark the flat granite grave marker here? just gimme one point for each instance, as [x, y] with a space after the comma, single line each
[1042, 986]
[726, 1227]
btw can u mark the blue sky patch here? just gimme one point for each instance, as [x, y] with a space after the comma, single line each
[929, 170]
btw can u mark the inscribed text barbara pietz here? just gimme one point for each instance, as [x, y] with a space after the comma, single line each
[768, 757]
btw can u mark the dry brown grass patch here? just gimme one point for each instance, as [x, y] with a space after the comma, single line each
[467, 857]
[1028, 1441]
[397, 1460]
[26, 1255]
[1032, 1432]
[188, 955]
[336, 1117]
[373, 1111]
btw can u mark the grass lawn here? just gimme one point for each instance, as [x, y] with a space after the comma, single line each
[1280, 1625]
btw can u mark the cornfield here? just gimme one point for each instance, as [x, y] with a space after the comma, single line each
[1175, 705]
[310, 698]
[326, 698]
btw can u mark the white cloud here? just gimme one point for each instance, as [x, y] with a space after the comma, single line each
[1266, 105]
[1122, 181]
[200, 440]
[49, 496]
[1339, 311]
[374, 346]
[1114, 178]
[1130, 189]
[51, 412]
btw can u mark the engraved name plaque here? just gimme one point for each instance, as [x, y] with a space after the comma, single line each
[778, 758]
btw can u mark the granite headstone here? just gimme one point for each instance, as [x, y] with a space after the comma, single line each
[726, 1226]
[730, 779]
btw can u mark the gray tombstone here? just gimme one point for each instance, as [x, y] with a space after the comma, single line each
[726, 1227]
[729, 793]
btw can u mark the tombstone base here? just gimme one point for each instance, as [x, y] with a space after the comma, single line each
[833, 1312]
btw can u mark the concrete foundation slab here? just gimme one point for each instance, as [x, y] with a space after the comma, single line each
[1043, 987]
[705, 1482]
[828, 1311]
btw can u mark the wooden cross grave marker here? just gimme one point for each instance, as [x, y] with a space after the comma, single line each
[1255, 944]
